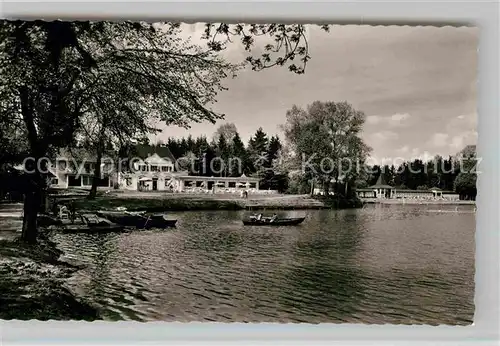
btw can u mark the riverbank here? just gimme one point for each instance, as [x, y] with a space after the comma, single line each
[418, 201]
[157, 202]
[32, 283]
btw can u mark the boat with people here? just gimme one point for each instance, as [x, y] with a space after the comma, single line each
[138, 219]
[260, 220]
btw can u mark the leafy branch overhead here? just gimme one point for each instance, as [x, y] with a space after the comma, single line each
[287, 44]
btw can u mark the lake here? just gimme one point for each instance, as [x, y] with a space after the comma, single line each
[381, 264]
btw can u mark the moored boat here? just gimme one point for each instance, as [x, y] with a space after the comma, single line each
[88, 223]
[139, 220]
[275, 222]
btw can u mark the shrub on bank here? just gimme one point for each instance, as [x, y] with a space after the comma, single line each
[340, 202]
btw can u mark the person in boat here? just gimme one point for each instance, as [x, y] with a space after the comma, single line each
[259, 217]
[273, 218]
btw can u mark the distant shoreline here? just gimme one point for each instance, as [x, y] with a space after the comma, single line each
[417, 202]
[161, 202]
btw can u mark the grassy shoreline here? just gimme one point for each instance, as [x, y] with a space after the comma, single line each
[32, 283]
[418, 202]
[162, 203]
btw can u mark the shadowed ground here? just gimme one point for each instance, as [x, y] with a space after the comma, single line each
[31, 283]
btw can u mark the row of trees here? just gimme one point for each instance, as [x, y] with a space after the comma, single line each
[417, 174]
[226, 155]
[323, 145]
[68, 83]
[323, 132]
[445, 174]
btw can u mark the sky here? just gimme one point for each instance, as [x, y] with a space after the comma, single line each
[416, 85]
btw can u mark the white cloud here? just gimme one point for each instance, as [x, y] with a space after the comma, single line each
[403, 150]
[459, 141]
[440, 139]
[385, 136]
[373, 119]
[400, 116]
[463, 122]
[391, 121]
[459, 132]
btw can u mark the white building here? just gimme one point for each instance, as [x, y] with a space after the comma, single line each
[152, 173]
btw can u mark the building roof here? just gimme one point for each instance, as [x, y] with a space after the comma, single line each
[381, 184]
[81, 154]
[162, 151]
[156, 159]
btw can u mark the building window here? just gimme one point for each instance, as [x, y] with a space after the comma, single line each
[163, 168]
[154, 168]
[232, 184]
[253, 185]
[87, 180]
[54, 181]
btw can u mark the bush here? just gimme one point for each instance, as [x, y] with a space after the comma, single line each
[340, 202]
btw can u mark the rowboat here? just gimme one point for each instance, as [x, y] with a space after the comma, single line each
[139, 220]
[276, 222]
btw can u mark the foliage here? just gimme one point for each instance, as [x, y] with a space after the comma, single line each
[438, 172]
[457, 173]
[326, 138]
[465, 185]
[465, 182]
[285, 43]
[227, 130]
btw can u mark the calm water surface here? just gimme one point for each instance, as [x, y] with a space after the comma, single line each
[380, 264]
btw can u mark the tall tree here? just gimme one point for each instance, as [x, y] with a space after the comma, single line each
[465, 181]
[223, 155]
[239, 161]
[325, 141]
[258, 150]
[227, 130]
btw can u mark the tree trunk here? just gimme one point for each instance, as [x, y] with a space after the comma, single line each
[33, 187]
[97, 174]
[32, 204]
[326, 187]
[336, 177]
[312, 187]
[118, 168]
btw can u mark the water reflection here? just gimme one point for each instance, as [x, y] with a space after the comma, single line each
[381, 264]
[327, 283]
